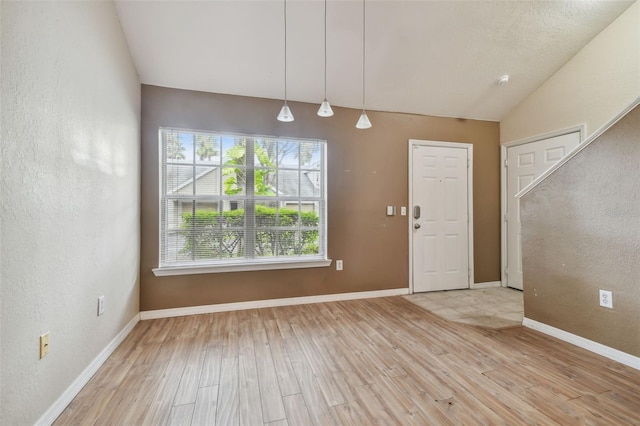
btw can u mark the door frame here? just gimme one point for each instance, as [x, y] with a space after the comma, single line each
[459, 145]
[581, 128]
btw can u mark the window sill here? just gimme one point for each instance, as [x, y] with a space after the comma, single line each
[240, 266]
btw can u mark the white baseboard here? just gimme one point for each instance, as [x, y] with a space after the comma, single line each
[590, 345]
[489, 284]
[67, 396]
[256, 304]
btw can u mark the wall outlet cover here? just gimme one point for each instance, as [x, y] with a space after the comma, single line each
[44, 345]
[606, 299]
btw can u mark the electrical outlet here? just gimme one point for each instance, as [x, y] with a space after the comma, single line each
[606, 299]
[44, 345]
[339, 265]
[100, 305]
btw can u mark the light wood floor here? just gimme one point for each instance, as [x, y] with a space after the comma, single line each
[384, 361]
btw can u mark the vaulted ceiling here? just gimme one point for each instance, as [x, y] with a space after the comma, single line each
[438, 58]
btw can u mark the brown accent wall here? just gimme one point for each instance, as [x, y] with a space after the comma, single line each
[581, 233]
[367, 170]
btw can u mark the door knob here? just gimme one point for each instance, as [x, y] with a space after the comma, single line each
[416, 225]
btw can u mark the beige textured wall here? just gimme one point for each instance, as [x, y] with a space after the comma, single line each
[70, 195]
[367, 170]
[581, 233]
[592, 88]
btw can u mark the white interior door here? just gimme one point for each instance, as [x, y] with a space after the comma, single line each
[440, 218]
[524, 163]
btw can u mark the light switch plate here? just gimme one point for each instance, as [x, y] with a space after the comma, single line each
[100, 305]
[391, 210]
[403, 211]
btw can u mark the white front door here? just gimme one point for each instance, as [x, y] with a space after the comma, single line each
[525, 163]
[440, 217]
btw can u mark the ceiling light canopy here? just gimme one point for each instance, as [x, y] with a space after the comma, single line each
[503, 80]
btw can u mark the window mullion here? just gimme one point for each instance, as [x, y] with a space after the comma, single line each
[278, 203]
[194, 219]
[163, 187]
[250, 204]
[299, 193]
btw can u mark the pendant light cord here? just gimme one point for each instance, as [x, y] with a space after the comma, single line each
[285, 51]
[363, 49]
[325, 49]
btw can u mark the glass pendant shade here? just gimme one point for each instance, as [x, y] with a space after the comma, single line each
[325, 109]
[363, 121]
[285, 114]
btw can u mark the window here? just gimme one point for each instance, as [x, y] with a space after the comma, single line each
[235, 202]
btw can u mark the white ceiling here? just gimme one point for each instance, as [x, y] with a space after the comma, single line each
[425, 57]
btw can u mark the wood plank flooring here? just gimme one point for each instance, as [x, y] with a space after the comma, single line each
[375, 361]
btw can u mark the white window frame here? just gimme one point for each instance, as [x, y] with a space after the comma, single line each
[244, 264]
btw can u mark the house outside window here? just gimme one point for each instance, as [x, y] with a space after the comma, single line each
[237, 202]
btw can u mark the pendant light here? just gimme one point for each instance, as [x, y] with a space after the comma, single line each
[325, 108]
[363, 121]
[285, 114]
